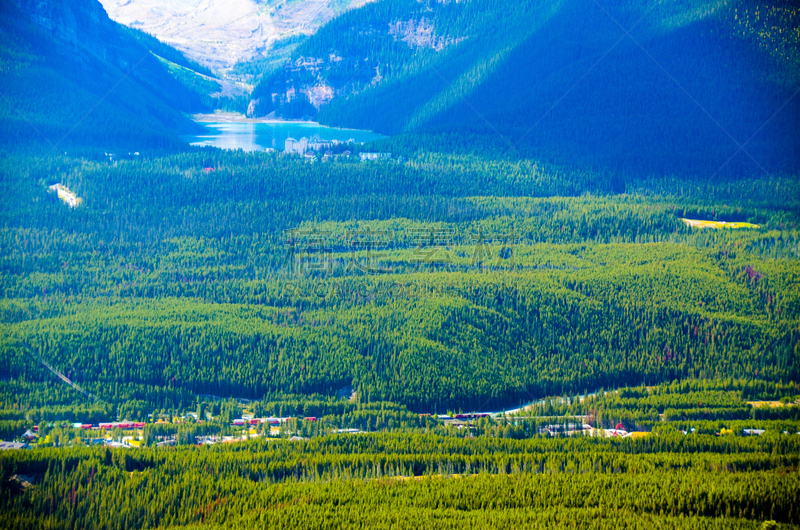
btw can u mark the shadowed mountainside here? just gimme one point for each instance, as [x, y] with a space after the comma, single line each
[638, 86]
[71, 76]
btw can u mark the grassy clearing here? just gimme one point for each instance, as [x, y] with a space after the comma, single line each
[696, 223]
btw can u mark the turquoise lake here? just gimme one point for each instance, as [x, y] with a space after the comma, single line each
[262, 136]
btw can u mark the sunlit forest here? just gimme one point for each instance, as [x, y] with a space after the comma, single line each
[442, 285]
[534, 302]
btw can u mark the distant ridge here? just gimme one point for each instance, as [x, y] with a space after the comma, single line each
[71, 76]
[701, 87]
[220, 33]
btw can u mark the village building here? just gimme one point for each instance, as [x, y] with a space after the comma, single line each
[374, 156]
[5, 446]
[296, 146]
[319, 145]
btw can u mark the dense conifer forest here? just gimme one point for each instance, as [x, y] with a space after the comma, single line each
[425, 289]
[272, 275]
[460, 335]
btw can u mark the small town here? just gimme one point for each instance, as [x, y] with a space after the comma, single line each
[189, 429]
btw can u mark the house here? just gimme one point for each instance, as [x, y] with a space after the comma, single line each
[569, 429]
[753, 432]
[26, 481]
[124, 425]
[5, 446]
[374, 156]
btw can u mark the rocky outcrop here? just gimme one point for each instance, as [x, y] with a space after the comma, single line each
[419, 34]
[251, 108]
[76, 23]
[320, 94]
[305, 84]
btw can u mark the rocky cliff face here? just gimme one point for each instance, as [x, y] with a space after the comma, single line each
[420, 33]
[219, 33]
[305, 84]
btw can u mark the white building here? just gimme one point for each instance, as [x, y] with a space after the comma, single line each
[296, 146]
[374, 156]
[319, 145]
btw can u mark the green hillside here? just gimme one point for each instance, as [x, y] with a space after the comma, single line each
[556, 297]
[479, 285]
[439, 480]
[107, 91]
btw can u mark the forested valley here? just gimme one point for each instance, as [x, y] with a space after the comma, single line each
[499, 315]
[271, 275]
[376, 320]
[382, 315]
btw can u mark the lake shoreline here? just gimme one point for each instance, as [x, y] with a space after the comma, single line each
[234, 131]
[230, 117]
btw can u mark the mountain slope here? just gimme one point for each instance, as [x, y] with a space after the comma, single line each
[71, 76]
[221, 33]
[680, 93]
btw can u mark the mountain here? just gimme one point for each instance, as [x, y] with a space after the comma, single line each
[643, 86]
[71, 76]
[221, 33]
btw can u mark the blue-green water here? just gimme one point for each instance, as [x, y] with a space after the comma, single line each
[262, 136]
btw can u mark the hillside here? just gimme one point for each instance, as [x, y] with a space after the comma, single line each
[470, 292]
[71, 76]
[691, 82]
[218, 33]
[537, 304]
